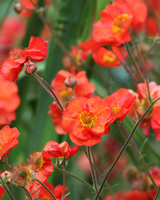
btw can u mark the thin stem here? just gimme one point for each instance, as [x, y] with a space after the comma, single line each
[77, 178]
[100, 174]
[92, 170]
[123, 148]
[63, 181]
[7, 190]
[157, 193]
[26, 192]
[133, 61]
[144, 70]
[138, 153]
[74, 93]
[150, 49]
[48, 89]
[46, 188]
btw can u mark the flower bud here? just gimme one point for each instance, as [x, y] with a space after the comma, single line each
[71, 81]
[17, 7]
[7, 177]
[30, 68]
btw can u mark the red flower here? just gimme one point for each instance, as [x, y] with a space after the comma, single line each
[142, 103]
[9, 139]
[29, 5]
[120, 102]
[2, 191]
[103, 56]
[117, 19]
[9, 101]
[155, 122]
[62, 150]
[64, 94]
[87, 120]
[138, 195]
[37, 51]
[44, 194]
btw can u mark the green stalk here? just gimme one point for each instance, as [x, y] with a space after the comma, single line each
[123, 148]
[77, 178]
[7, 190]
[157, 193]
[46, 188]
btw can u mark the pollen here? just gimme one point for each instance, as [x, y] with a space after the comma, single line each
[118, 22]
[87, 119]
[22, 174]
[36, 161]
[15, 53]
[110, 58]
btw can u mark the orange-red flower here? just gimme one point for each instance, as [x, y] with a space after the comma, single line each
[103, 56]
[44, 194]
[138, 195]
[64, 94]
[62, 150]
[120, 103]
[9, 101]
[9, 139]
[29, 6]
[142, 103]
[117, 19]
[87, 120]
[2, 191]
[37, 51]
[155, 122]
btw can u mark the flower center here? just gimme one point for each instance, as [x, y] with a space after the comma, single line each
[87, 119]
[1, 145]
[116, 109]
[142, 107]
[118, 22]
[25, 175]
[109, 57]
[15, 53]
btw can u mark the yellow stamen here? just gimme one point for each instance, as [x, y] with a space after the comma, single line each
[87, 119]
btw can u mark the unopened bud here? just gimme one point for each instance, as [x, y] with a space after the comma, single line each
[131, 174]
[17, 7]
[71, 81]
[7, 177]
[30, 68]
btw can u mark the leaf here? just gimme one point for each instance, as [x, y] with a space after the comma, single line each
[143, 144]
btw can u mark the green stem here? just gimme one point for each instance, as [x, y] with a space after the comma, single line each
[133, 61]
[46, 188]
[123, 148]
[48, 88]
[26, 192]
[150, 49]
[63, 181]
[77, 178]
[144, 70]
[157, 193]
[92, 170]
[138, 153]
[7, 190]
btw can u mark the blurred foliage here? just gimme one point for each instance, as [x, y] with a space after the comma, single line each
[72, 21]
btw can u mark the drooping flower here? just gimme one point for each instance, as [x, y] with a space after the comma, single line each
[22, 174]
[64, 94]
[9, 101]
[87, 120]
[142, 103]
[37, 51]
[117, 19]
[8, 139]
[61, 151]
[103, 56]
